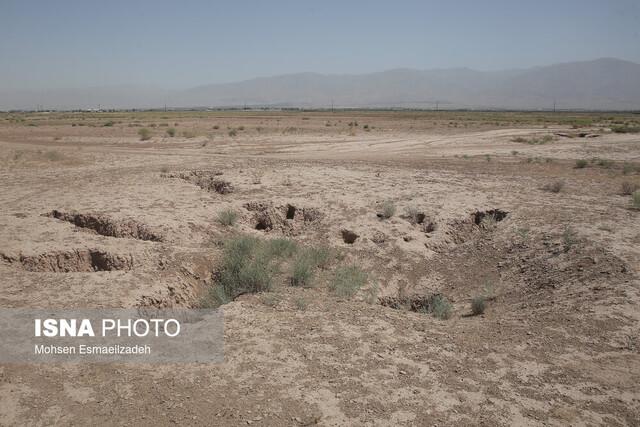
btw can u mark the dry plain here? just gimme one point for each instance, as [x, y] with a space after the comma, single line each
[460, 205]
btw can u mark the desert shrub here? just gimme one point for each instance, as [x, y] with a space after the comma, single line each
[216, 127]
[53, 156]
[581, 164]
[144, 133]
[605, 163]
[626, 129]
[189, 134]
[441, 307]
[347, 280]
[387, 209]
[319, 256]
[487, 157]
[246, 267]
[109, 123]
[302, 271]
[233, 133]
[514, 152]
[171, 132]
[281, 247]
[555, 186]
[635, 199]
[227, 217]
[478, 305]
[240, 128]
[628, 188]
[519, 139]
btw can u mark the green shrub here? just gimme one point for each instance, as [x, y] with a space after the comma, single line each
[145, 134]
[441, 307]
[347, 280]
[581, 164]
[171, 132]
[477, 305]
[109, 123]
[302, 271]
[635, 199]
[319, 256]
[281, 247]
[247, 265]
[227, 217]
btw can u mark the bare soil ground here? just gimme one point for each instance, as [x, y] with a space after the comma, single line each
[90, 216]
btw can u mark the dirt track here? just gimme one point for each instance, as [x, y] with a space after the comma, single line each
[558, 343]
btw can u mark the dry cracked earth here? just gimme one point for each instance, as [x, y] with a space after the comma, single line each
[91, 217]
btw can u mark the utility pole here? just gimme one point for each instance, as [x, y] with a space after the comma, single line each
[437, 102]
[332, 105]
[554, 105]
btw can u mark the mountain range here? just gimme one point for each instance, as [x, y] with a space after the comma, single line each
[601, 84]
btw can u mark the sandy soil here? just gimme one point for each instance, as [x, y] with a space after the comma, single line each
[558, 343]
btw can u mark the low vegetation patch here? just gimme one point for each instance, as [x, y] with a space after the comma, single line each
[347, 280]
[227, 217]
[387, 209]
[581, 164]
[248, 265]
[554, 187]
[635, 199]
[478, 305]
[145, 134]
[625, 129]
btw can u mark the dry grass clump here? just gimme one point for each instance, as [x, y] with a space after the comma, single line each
[145, 134]
[554, 187]
[227, 217]
[387, 209]
[478, 305]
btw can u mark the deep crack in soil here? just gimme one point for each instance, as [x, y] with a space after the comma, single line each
[107, 226]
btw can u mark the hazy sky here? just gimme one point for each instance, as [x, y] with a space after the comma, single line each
[178, 44]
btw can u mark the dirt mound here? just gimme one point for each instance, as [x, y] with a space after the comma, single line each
[207, 180]
[288, 218]
[552, 263]
[106, 226]
[79, 260]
